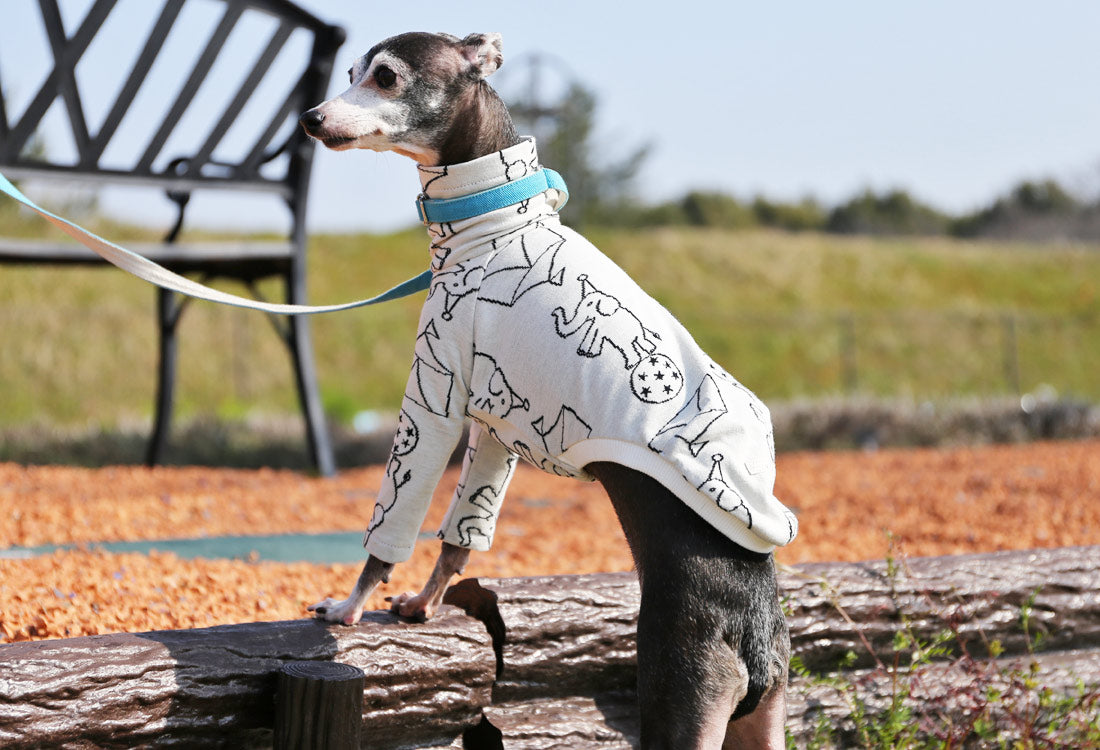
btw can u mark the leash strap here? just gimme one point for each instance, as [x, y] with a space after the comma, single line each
[154, 273]
[442, 210]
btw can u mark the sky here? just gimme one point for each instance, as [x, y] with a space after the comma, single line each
[953, 101]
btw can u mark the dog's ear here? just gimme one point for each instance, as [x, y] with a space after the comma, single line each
[484, 52]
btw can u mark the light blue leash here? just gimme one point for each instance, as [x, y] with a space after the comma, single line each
[431, 210]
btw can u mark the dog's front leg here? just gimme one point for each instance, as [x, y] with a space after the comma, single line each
[422, 606]
[348, 611]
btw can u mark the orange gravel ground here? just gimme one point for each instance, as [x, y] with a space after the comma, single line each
[933, 502]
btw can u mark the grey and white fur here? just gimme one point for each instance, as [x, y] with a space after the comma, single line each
[712, 640]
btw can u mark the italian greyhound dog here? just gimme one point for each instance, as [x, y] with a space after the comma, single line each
[713, 644]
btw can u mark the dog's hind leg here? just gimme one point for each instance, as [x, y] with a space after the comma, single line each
[764, 727]
[712, 640]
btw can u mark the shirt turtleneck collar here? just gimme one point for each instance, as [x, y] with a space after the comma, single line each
[458, 240]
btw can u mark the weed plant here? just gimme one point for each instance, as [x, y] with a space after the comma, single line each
[977, 701]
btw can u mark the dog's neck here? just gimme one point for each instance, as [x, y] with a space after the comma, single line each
[480, 125]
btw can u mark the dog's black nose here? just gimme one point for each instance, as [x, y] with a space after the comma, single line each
[312, 120]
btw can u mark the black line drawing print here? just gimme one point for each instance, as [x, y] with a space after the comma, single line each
[504, 286]
[398, 480]
[755, 404]
[605, 321]
[522, 450]
[439, 172]
[471, 451]
[553, 467]
[789, 516]
[566, 430]
[482, 523]
[455, 284]
[518, 169]
[433, 381]
[656, 379]
[498, 398]
[691, 423]
[438, 234]
[407, 436]
[727, 498]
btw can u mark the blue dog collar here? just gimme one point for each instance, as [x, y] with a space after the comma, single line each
[442, 210]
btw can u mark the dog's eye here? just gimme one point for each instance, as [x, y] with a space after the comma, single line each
[351, 75]
[384, 77]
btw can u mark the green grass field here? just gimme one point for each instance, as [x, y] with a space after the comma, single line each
[791, 315]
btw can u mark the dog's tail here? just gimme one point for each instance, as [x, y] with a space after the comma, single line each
[756, 657]
[764, 646]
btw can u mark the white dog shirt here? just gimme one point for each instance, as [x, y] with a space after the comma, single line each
[558, 357]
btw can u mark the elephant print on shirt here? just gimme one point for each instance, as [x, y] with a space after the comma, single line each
[604, 320]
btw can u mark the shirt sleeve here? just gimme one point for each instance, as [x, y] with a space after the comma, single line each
[430, 424]
[486, 471]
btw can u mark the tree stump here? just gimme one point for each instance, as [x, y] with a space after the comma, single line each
[319, 705]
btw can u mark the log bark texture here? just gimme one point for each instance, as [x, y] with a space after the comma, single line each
[958, 690]
[565, 635]
[545, 661]
[425, 683]
[982, 596]
[570, 635]
[608, 721]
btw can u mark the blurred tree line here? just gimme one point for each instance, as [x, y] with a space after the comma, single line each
[602, 194]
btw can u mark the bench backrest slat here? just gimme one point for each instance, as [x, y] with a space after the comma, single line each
[66, 53]
[144, 62]
[190, 88]
[258, 155]
[120, 150]
[247, 88]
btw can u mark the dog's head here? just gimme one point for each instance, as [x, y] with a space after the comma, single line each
[404, 94]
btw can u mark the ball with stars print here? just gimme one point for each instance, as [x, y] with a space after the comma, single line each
[656, 379]
[407, 435]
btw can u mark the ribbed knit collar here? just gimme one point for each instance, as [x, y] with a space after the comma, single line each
[455, 241]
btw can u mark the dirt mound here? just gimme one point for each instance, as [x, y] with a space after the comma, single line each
[932, 502]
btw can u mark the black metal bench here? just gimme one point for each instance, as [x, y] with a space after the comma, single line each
[274, 157]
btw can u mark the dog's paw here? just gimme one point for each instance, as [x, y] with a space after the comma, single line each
[333, 610]
[414, 606]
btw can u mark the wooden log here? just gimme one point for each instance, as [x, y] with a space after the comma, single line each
[319, 706]
[559, 635]
[574, 635]
[607, 721]
[982, 597]
[941, 690]
[557, 640]
[425, 683]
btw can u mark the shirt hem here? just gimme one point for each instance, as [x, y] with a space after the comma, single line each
[651, 464]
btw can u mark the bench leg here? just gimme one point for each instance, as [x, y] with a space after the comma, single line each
[300, 342]
[301, 352]
[169, 308]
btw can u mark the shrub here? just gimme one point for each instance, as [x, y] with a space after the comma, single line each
[893, 213]
[711, 209]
